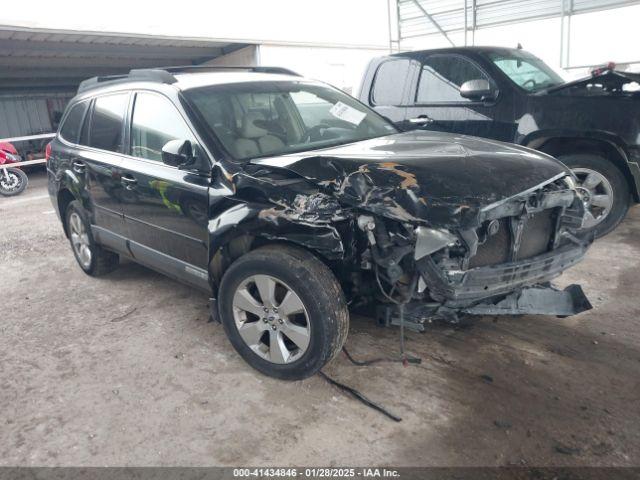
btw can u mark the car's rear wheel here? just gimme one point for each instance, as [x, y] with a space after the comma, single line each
[604, 189]
[92, 258]
[283, 311]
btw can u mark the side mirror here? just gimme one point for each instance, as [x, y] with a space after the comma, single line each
[178, 153]
[477, 90]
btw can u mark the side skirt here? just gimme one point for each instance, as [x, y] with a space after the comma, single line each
[161, 262]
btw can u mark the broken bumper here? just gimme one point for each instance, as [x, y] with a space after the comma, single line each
[460, 289]
[517, 288]
[539, 300]
[534, 300]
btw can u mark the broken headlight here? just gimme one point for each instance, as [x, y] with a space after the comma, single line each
[430, 240]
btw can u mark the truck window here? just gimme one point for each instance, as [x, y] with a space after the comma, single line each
[389, 82]
[443, 75]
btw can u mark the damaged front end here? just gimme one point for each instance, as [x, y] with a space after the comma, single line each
[442, 225]
[501, 264]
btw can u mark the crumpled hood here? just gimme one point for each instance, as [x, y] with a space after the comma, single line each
[427, 177]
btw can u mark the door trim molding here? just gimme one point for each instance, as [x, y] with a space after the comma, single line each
[161, 262]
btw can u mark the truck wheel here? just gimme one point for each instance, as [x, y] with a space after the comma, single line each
[604, 188]
[92, 258]
[283, 311]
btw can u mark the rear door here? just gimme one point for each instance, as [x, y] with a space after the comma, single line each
[167, 214]
[99, 159]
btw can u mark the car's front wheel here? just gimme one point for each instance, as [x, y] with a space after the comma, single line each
[283, 311]
[604, 189]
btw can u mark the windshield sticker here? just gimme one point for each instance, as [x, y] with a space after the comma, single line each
[348, 114]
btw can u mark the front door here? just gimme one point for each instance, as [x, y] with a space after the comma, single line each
[436, 103]
[167, 212]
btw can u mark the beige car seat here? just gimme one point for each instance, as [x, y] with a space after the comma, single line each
[255, 140]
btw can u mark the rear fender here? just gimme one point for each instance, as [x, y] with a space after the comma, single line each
[68, 181]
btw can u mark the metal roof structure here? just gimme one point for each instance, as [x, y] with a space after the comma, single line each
[33, 59]
[420, 18]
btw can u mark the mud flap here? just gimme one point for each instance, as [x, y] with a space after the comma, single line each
[537, 300]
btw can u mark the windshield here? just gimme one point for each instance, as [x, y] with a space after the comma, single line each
[526, 71]
[256, 119]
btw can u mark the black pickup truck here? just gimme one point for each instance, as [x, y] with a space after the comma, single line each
[592, 124]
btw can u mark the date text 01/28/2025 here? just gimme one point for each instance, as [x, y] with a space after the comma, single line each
[316, 472]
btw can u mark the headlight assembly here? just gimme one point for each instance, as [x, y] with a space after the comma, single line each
[430, 240]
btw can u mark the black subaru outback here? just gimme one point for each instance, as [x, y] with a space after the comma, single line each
[287, 200]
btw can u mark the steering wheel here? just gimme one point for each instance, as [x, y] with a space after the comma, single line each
[531, 81]
[314, 131]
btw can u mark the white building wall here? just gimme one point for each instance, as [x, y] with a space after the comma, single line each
[247, 56]
[341, 67]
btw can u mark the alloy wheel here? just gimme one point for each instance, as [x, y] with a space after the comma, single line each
[271, 319]
[80, 240]
[597, 195]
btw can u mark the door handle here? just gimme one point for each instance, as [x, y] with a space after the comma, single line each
[421, 120]
[79, 166]
[128, 182]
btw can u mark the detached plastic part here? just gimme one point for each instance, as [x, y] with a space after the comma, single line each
[537, 300]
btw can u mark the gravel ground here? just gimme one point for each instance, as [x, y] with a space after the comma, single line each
[126, 370]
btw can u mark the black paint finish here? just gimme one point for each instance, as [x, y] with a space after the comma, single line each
[356, 206]
[572, 112]
[434, 178]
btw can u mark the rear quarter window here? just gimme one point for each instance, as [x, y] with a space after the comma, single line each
[70, 129]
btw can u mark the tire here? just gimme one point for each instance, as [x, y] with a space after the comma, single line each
[18, 179]
[324, 315]
[100, 261]
[582, 164]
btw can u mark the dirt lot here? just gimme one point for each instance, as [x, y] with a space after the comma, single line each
[125, 370]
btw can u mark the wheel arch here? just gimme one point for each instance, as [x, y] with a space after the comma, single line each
[64, 198]
[245, 227]
[601, 143]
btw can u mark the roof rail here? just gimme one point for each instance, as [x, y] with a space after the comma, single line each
[141, 74]
[165, 74]
[214, 68]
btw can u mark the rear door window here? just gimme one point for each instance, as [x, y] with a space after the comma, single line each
[443, 75]
[107, 122]
[388, 84]
[70, 129]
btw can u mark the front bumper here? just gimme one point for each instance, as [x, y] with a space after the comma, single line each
[457, 289]
[533, 300]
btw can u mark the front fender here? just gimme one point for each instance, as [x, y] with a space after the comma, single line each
[274, 224]
[625, 157]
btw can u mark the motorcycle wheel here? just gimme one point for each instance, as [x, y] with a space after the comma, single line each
[13, 181]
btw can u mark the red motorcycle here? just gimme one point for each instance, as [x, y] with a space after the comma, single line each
[13, 181]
